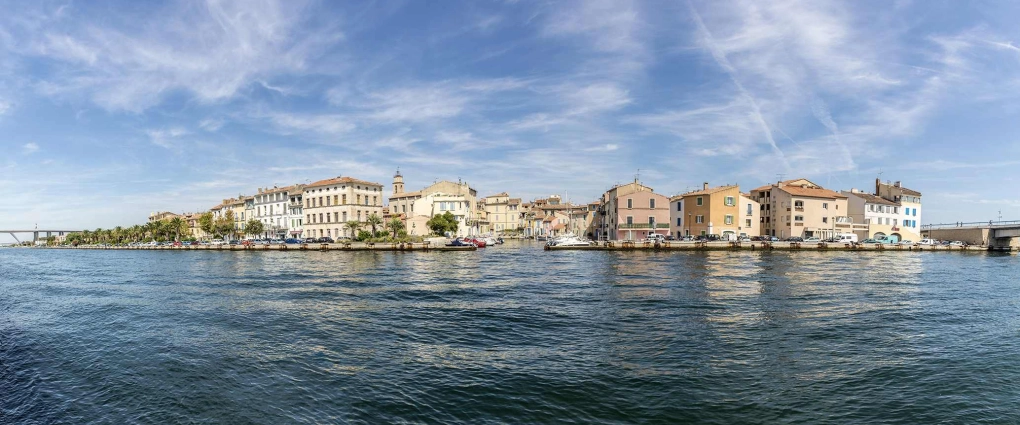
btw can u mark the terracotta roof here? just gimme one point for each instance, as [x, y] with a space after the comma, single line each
[341, 180]
[873, 199]
[710, 190]
[498, 194]
[559, 226]
[910, 192]
[515, 201]
[810, 192]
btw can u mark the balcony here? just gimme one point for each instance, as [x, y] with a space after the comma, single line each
[799, 209]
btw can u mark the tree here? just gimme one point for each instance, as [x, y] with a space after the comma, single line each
[353, 226]
[374, 220]
[225, 225]
[253, 227]
[177, 226]
[395, 225]
[441, 224]
[207, 223]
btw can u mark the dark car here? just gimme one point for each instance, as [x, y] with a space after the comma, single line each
[234, 242]
[670, 238]
[291, 241]
[795, 239]
[325, 239]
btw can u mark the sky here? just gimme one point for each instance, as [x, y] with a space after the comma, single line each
[111, 110]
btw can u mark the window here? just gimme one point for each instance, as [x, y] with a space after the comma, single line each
[825, 219]
[343, 199]
[730, 201]
[327, 201]
[651, 203]
[320, 217]
[798, 218]
[699, 219]
[630, 220]
[747, 223]
[630, 203]
[336, 216]
[798, 204]
[701, 201]
[750, 209]
[825, 205]
[702, 233]
[728, 219]
[651, 221]
[679, 205]
[678, 220]
[915, 213]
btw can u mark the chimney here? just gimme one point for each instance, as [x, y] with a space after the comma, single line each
[878, 186]
[897, 184]
[704, 186]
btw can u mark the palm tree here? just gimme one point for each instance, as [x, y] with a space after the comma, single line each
[374, 220]
[353, 226]
[177, 225]
[395, 225]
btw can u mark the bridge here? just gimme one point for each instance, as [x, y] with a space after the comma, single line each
[998, 235]
[35, 233]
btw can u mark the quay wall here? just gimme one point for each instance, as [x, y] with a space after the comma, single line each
[970, 235]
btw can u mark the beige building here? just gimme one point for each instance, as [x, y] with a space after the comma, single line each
[162, 216]
[330, 203]
[711, 211]
[800, 208]
[439, 198]
[502, 213]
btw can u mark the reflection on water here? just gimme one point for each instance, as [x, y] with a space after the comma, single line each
[507, 334]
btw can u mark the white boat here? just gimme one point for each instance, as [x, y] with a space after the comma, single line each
[489, 240]
[569, 240]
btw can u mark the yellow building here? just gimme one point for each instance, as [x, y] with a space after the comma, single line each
[330, 203]
[800, 208]
[712, 211]
[502, 213]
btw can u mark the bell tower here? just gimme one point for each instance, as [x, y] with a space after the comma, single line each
[398, 183]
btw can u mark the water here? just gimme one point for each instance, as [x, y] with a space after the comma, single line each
[509, 334]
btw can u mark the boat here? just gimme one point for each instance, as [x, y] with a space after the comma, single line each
[489, 240]
[569, 240]
[460, 242]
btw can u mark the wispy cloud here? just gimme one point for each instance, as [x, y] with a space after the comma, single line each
[166, 138]
[29, 148]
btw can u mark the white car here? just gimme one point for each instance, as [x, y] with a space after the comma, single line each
[812, 239]
[655, 237]
[957, 243]
[928, 242]
[905, 242]
[216, 242]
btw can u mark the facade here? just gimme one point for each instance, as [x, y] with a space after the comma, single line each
[894, 217]
[800, 208]
[910, 207]
[750, 216]
[439, 198]
[274, 208]
[162, 216]
[710, 211]
[631, 211]
[502, 213]
[329, 204]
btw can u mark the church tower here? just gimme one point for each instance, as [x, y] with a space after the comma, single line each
[398, 183]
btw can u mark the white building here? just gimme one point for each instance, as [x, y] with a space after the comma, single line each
[439, 198]
[329, 204]
[274, 208]
[892, 213]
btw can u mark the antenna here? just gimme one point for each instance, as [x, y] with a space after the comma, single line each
[780, 175]
[637, 177]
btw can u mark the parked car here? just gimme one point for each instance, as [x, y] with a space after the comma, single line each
[655, 237]
[671, 238]
[846, 238]
[812, 239]
[291, 241]
[870, 241]
[958, 243]
[795, 239]
[276, 242]
[194, 243]
[178, 243]
[324, 239]
[216, 242]
[905, 242]
[743, 239]
[234, 242]
[928, 242]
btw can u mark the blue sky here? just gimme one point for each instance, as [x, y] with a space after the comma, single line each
[111, 110]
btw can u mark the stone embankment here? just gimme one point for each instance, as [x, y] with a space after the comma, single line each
[354, 246]
[760, 246]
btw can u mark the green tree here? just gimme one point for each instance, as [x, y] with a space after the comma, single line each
[395, 225]
[353, 226]
[177, 226]
[374, 221]
[207, 223]
[253, 227]
[441, 224]
[224, 226]
[363, 235]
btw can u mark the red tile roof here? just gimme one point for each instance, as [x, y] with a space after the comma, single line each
[342, 180]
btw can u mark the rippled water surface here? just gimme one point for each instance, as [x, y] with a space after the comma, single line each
[508, 334]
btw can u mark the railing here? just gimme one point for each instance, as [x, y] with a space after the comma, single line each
[644, 226]
[989, 223]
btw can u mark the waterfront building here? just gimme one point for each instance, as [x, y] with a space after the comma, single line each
[237, 207]
[194, 229]
[750, 216]
[502, 213]
[801, 208]
[439, 198]
[329, 204]
[631, 211]
[711, 211]
[274, 207]
[910, 203]
[162, 216]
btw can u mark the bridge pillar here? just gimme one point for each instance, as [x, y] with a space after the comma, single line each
[35, 237]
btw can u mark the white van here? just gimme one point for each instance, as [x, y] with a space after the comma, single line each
[846, 238]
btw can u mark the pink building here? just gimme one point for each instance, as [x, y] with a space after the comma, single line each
[631, 211]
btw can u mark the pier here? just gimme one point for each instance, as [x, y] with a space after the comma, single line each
[354, 246]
